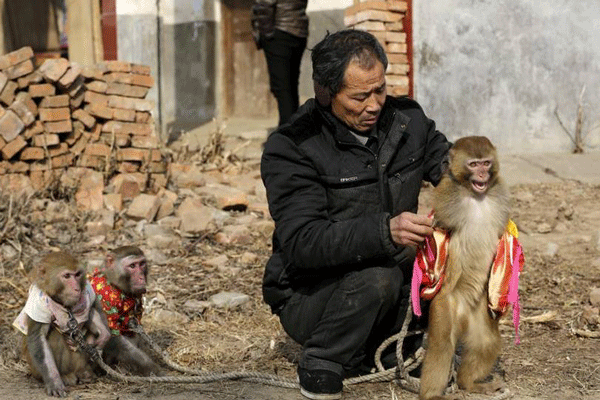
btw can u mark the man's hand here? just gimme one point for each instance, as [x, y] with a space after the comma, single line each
[410, 229]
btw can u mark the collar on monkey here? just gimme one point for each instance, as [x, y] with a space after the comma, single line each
[429, 271]
[118, 307]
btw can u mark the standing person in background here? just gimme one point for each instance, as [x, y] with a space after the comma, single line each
[280, 28]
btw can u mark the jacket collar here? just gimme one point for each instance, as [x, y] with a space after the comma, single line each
[342, 133]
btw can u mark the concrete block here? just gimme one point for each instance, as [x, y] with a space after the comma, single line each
[99, 110]
[25, 81]
[89, 196]
[122, 89]
[42, 90]
[13, 147]
[16, 57]
[47, 140]
[61, 100]
[58, 126]
[124, 115]
[19, 70]
[53, 69]
[85, 118]
[10, 125]
[7, 96]
[55, 114]
[97, 86]
[73, 72]
[33, 153]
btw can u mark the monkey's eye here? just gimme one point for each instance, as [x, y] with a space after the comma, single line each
[472, 164]
[487, 163]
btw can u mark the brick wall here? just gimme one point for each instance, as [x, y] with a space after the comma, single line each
[63, 115]
[385, 20]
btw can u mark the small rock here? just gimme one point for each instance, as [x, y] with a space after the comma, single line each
[248, 258]
[595, 297]
[590, 315]
[144, 206]
[156, 256]
[170, 222]
[229, 299]
[234, 234]
[8, 252]
[219, 261]
[596, 263]
[196, 306]
[163, 242]
[561, 227]
[168, 318]
[195, 216]
[551, 249]
[544, 228]
[265, 227]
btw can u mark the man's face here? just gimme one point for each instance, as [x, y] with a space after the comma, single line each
[359, 102]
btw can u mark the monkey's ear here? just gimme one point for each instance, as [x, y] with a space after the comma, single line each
[110, 261]
[322, 95]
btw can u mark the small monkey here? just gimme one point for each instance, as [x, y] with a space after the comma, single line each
[119, 287]
[60, 299]
[471, 204]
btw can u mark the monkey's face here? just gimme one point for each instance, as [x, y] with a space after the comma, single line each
[71, 283]
[133, 272]
[479, 174]
[361, 98]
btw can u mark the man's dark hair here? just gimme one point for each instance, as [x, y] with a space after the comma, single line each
[331, 56]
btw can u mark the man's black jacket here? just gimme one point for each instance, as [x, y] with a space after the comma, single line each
[332, 198]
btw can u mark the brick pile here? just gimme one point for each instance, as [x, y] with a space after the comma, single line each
[62, 115]
[385, 20]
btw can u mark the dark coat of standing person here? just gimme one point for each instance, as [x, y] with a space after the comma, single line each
[281, 29]
[343, 180]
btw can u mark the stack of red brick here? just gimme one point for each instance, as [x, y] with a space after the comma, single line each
[385, 20]
[62, 115]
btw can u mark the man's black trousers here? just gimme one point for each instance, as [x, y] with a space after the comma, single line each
[342, 321]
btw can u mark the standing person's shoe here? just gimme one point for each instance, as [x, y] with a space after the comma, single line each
[320, 384]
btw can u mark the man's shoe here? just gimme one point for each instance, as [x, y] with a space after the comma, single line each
[320, 384]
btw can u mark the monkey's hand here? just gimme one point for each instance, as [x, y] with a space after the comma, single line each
[410, 229]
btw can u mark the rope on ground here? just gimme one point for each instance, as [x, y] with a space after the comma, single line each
[400, 372]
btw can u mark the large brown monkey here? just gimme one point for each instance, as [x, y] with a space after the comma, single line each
[472, 204]
[60, 296]
[119, 286]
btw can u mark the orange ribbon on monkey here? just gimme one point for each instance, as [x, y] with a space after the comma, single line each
[429, 271]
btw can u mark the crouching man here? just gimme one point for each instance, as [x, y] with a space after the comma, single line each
[343, 180]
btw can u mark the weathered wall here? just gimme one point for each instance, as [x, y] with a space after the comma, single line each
[501, 68]
[182, 35]
[324, 15]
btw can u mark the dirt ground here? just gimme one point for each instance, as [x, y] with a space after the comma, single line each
[557, 358]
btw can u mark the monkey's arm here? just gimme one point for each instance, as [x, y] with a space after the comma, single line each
[42, 358]
[98, 325]
[298, 202]
[123, 350]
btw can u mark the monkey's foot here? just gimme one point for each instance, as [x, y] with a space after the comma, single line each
[489, 386]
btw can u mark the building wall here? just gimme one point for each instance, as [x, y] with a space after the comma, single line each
[502, 68]
[324, 15]
[182, 35]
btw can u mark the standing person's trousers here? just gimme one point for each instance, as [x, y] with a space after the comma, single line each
[283, 52]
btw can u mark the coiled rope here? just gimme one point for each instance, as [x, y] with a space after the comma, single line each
[399, 373]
